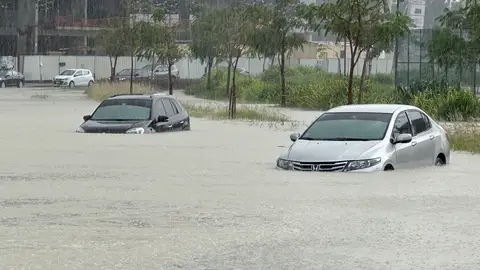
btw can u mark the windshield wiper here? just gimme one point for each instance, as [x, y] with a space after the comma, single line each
[346, 139]
[308, 138]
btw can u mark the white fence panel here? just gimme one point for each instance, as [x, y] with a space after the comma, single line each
[42, 67]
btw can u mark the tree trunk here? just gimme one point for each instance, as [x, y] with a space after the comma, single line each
[152, 81]
[112, 71]
[170, 81]
[282, 80]
[273, 61]
[340, 66]
[264, 62]
[232, 110]
[350, 81]
[209, 74]
[229, 70]
[131, 73]
[362, 78]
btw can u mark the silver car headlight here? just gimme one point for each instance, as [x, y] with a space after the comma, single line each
[284, 164]
[362, 164]
[80, 130]
[136, 131]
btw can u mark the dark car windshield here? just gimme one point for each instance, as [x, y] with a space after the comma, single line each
[68, 72]
[127, 72]
[349, 126]
[123, 110]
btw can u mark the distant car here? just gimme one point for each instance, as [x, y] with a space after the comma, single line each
[161, 72]
[74, 77]
[243, 71]
[367, 138]
[9, 77]
[137, 114]
[138, 75]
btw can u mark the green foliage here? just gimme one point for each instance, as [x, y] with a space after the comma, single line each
[312, 88]
[367, 25]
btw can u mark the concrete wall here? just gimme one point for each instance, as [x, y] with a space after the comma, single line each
[40, 67]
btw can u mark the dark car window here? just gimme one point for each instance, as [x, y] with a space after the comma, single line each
[177, 105]
[344, 126]
[160, 108]
[123, 110]
[168, 108]
[418, 123]
[402, 125]
[3, 73]
[174, 106]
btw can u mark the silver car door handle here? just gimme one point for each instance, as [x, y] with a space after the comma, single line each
[181, 122]
[431, 137]
[414, 143]
[170, 126]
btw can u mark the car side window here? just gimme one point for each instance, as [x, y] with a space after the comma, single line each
[418, 122]
[427, 121]
[168, 108]
[85, 72]
[160, 108]
[176, 109]
[78, 73]
[402, 125]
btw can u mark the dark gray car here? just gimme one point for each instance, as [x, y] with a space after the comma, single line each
[9, 77]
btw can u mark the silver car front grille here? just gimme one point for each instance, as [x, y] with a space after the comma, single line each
[333, 166]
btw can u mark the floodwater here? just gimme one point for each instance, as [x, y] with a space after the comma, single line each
[211, 199]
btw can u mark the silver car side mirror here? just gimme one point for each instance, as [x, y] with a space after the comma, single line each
[294, 136]
[403, 138]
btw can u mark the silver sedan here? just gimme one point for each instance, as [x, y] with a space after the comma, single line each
[365, 138]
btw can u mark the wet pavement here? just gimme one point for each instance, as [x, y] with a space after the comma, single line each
[211, 199]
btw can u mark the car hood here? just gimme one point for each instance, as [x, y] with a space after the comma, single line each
[92, 126]
[61, 77]
[325, 151]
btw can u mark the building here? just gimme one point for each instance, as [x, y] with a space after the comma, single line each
[67, 26]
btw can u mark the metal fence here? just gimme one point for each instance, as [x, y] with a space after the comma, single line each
[415, 64]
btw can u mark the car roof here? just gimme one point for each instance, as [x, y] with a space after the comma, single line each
[372, 108]
[141, 96]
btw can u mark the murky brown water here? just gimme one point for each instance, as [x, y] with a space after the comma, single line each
[210, 199]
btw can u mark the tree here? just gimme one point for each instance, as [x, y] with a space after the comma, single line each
[205, 44]
[236, 40]
[275, 34]
[112, 40]
[362, 23]
[157, 39]
[456, 44]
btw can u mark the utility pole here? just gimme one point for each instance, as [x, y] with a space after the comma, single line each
[396, 49]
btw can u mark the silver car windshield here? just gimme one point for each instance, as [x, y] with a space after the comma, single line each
[348, 126]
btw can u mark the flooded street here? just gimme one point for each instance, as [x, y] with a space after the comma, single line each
[211, 199]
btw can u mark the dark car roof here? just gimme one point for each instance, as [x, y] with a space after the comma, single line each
[140, 96]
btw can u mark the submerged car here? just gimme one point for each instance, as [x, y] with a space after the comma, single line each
[367, 138]
[137, 114]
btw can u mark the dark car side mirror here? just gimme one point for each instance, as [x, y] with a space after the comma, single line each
[162, 119]
[87, 117]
